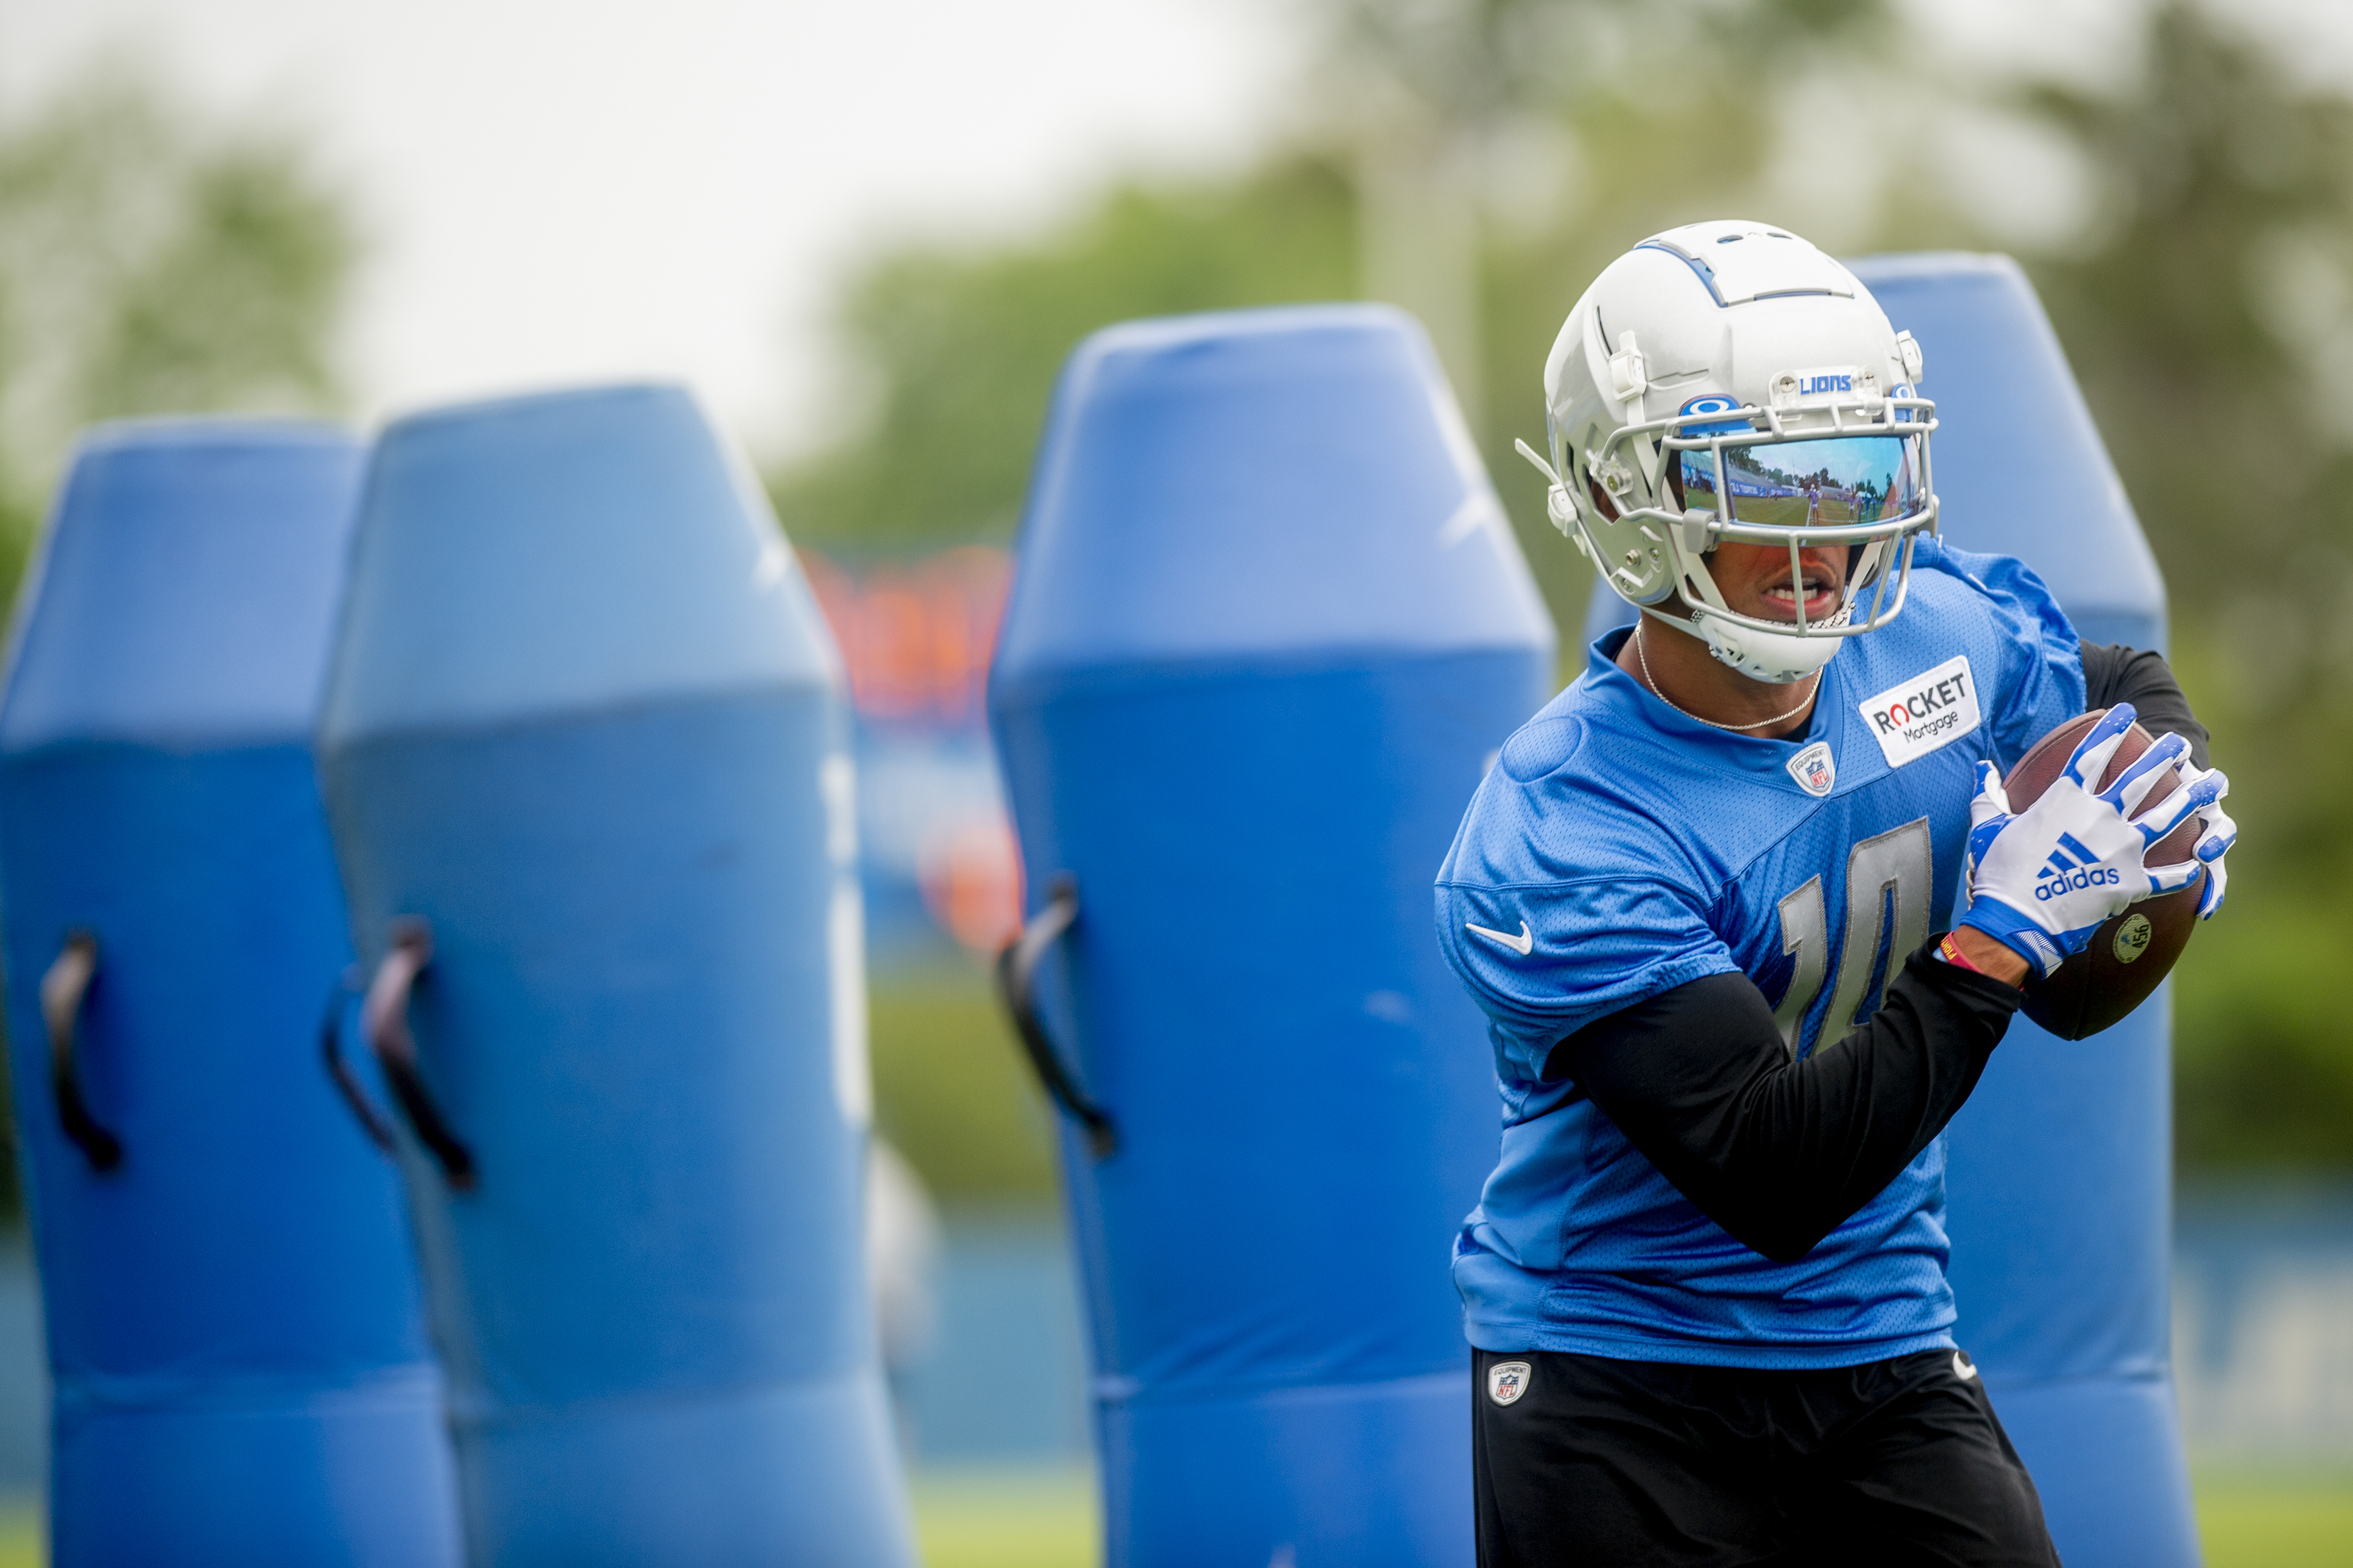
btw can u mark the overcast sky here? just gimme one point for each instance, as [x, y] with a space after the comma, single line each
[567, 189]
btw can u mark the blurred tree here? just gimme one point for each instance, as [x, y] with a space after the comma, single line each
[150, 264]
[1467, 114]
[2209, 309]
[2208, 313]
[1496, 153]
[956, 350]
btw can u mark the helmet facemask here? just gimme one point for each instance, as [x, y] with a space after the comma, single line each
[1852, 473]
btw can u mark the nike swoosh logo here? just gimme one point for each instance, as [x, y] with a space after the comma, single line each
[1963, 1367]
[1522, 944]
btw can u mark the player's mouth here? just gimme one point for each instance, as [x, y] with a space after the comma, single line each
[1820, 585]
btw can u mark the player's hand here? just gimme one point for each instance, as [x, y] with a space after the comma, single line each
[2043, 880]
[2214, 843]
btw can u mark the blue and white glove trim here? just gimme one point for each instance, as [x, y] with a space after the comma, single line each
[2043, 880]
[2214, 842]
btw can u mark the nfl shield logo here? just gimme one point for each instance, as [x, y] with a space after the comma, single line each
[1506, 1381]
[1813, 770]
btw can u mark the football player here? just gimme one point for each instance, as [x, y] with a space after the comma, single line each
[1705, 897]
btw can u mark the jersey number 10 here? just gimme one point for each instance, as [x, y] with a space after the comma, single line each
[1887, 880]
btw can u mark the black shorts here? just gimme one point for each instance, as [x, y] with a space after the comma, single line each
[1593, 1461]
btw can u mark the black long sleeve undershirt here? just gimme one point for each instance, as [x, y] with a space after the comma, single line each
[2114, 673]
[1779, 1153]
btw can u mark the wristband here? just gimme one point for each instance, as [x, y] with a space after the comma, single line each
[1950, 951]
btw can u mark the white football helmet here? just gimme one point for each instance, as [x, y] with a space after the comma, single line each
[1729, 381]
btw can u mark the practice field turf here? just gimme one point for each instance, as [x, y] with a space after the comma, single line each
[2252, 1520]
[1046, 1519]
[1034, 1519]
[1791, 511]
[1005, 1519]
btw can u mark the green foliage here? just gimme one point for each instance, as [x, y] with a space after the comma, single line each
[151, 264]
[2207, 312]
[235, 307]
[959, 348]
[2263, 1065]
[2204, 314]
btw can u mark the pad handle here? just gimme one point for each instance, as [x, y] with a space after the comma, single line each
[1017, 977]
[347, 1082]
[63, 989]
[384, 1023]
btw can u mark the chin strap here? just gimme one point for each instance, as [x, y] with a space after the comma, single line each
[1559, 505]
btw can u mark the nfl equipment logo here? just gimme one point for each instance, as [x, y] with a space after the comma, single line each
[2132, 939]
[1813, 769]
[1506, 1381]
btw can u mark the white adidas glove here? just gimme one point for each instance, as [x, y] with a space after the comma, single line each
[2043, 880]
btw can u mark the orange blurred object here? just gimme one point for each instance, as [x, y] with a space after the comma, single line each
[916, 637]
[971, 878]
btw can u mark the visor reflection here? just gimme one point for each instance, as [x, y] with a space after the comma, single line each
[1810, 484]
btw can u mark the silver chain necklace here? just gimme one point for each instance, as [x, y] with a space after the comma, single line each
[1642, 657]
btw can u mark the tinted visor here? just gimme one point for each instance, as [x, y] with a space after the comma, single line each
[1810, 484]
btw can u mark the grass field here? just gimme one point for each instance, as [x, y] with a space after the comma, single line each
[2251, 1520]
[1008, 1518]
[1790, 511]
[1046, 1519]
[1032, 1520]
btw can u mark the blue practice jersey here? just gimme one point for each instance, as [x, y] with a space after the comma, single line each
[1617, 849]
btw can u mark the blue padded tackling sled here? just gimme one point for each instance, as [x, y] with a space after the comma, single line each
[585, 761]
[235, 1328]
[1268, 626]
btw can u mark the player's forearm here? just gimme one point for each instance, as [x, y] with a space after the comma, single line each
[1780, 1153]
[2114, 674]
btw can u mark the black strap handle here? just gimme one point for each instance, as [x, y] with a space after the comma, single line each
[1017, 977]
[62, 990]
[347, 1082]
[384, 1020]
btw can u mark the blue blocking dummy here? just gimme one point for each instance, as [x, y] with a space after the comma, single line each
[2059, 1171]
[236, 1337]
[1267, 629]
[585, 756]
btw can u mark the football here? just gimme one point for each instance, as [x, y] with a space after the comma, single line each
[2134, 950]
